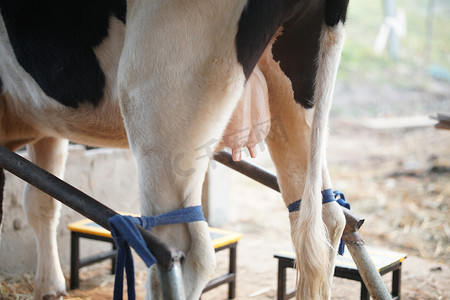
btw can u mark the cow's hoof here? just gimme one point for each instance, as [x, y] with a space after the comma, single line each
[58, 296]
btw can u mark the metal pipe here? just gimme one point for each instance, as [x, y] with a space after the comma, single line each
[78, 201]
[369, 273]
[169, 268]
[175, 290]
[355, 245]
[55, 187]
[250, 170]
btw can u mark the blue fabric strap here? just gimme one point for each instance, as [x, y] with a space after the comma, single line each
[126, 234]
[327, 196]
[341, 201]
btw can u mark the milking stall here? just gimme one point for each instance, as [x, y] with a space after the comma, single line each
[242, 149]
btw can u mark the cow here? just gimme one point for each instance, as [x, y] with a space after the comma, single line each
[163, 78]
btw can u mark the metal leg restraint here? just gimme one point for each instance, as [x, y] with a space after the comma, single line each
[126, 233]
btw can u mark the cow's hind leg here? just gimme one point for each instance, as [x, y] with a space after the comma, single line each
[43, 213]
[289, 146]
[288, 143]
[297, 148]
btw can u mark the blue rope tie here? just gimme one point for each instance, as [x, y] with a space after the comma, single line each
[126, 234]
[327, 196]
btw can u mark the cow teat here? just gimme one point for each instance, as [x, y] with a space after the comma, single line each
[250, 122]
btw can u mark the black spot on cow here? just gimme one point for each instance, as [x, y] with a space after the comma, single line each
[53, 41]
[296, 48]
[259, 22]
[335, 11]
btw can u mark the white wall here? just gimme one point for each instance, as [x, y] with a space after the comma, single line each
[107, 175]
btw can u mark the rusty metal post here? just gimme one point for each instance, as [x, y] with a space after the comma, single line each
[355, 244]
[168, 258]
[169, 268]
[172, 282]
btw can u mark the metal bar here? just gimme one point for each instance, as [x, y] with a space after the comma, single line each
[175, 289]
[95, 237]
[113, 260]
[229, 277]
[291, 293]
[364, 292]
[226, 278]
[281, 291]
[74, 261]
[167, 257]
[396, 282]
[368, 271]
[232, 270]
[352, 239]
[371, 277]
[254, 172]
[97, 258]
[55, 187]
[169, 266]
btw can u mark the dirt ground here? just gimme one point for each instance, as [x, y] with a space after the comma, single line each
[396, 178]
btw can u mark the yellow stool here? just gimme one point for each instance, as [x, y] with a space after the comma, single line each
[222, 239]
[385, 261]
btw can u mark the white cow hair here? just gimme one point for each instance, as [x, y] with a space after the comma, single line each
[195, 78]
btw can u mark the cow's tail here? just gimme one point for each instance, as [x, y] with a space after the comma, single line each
[313, 246]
